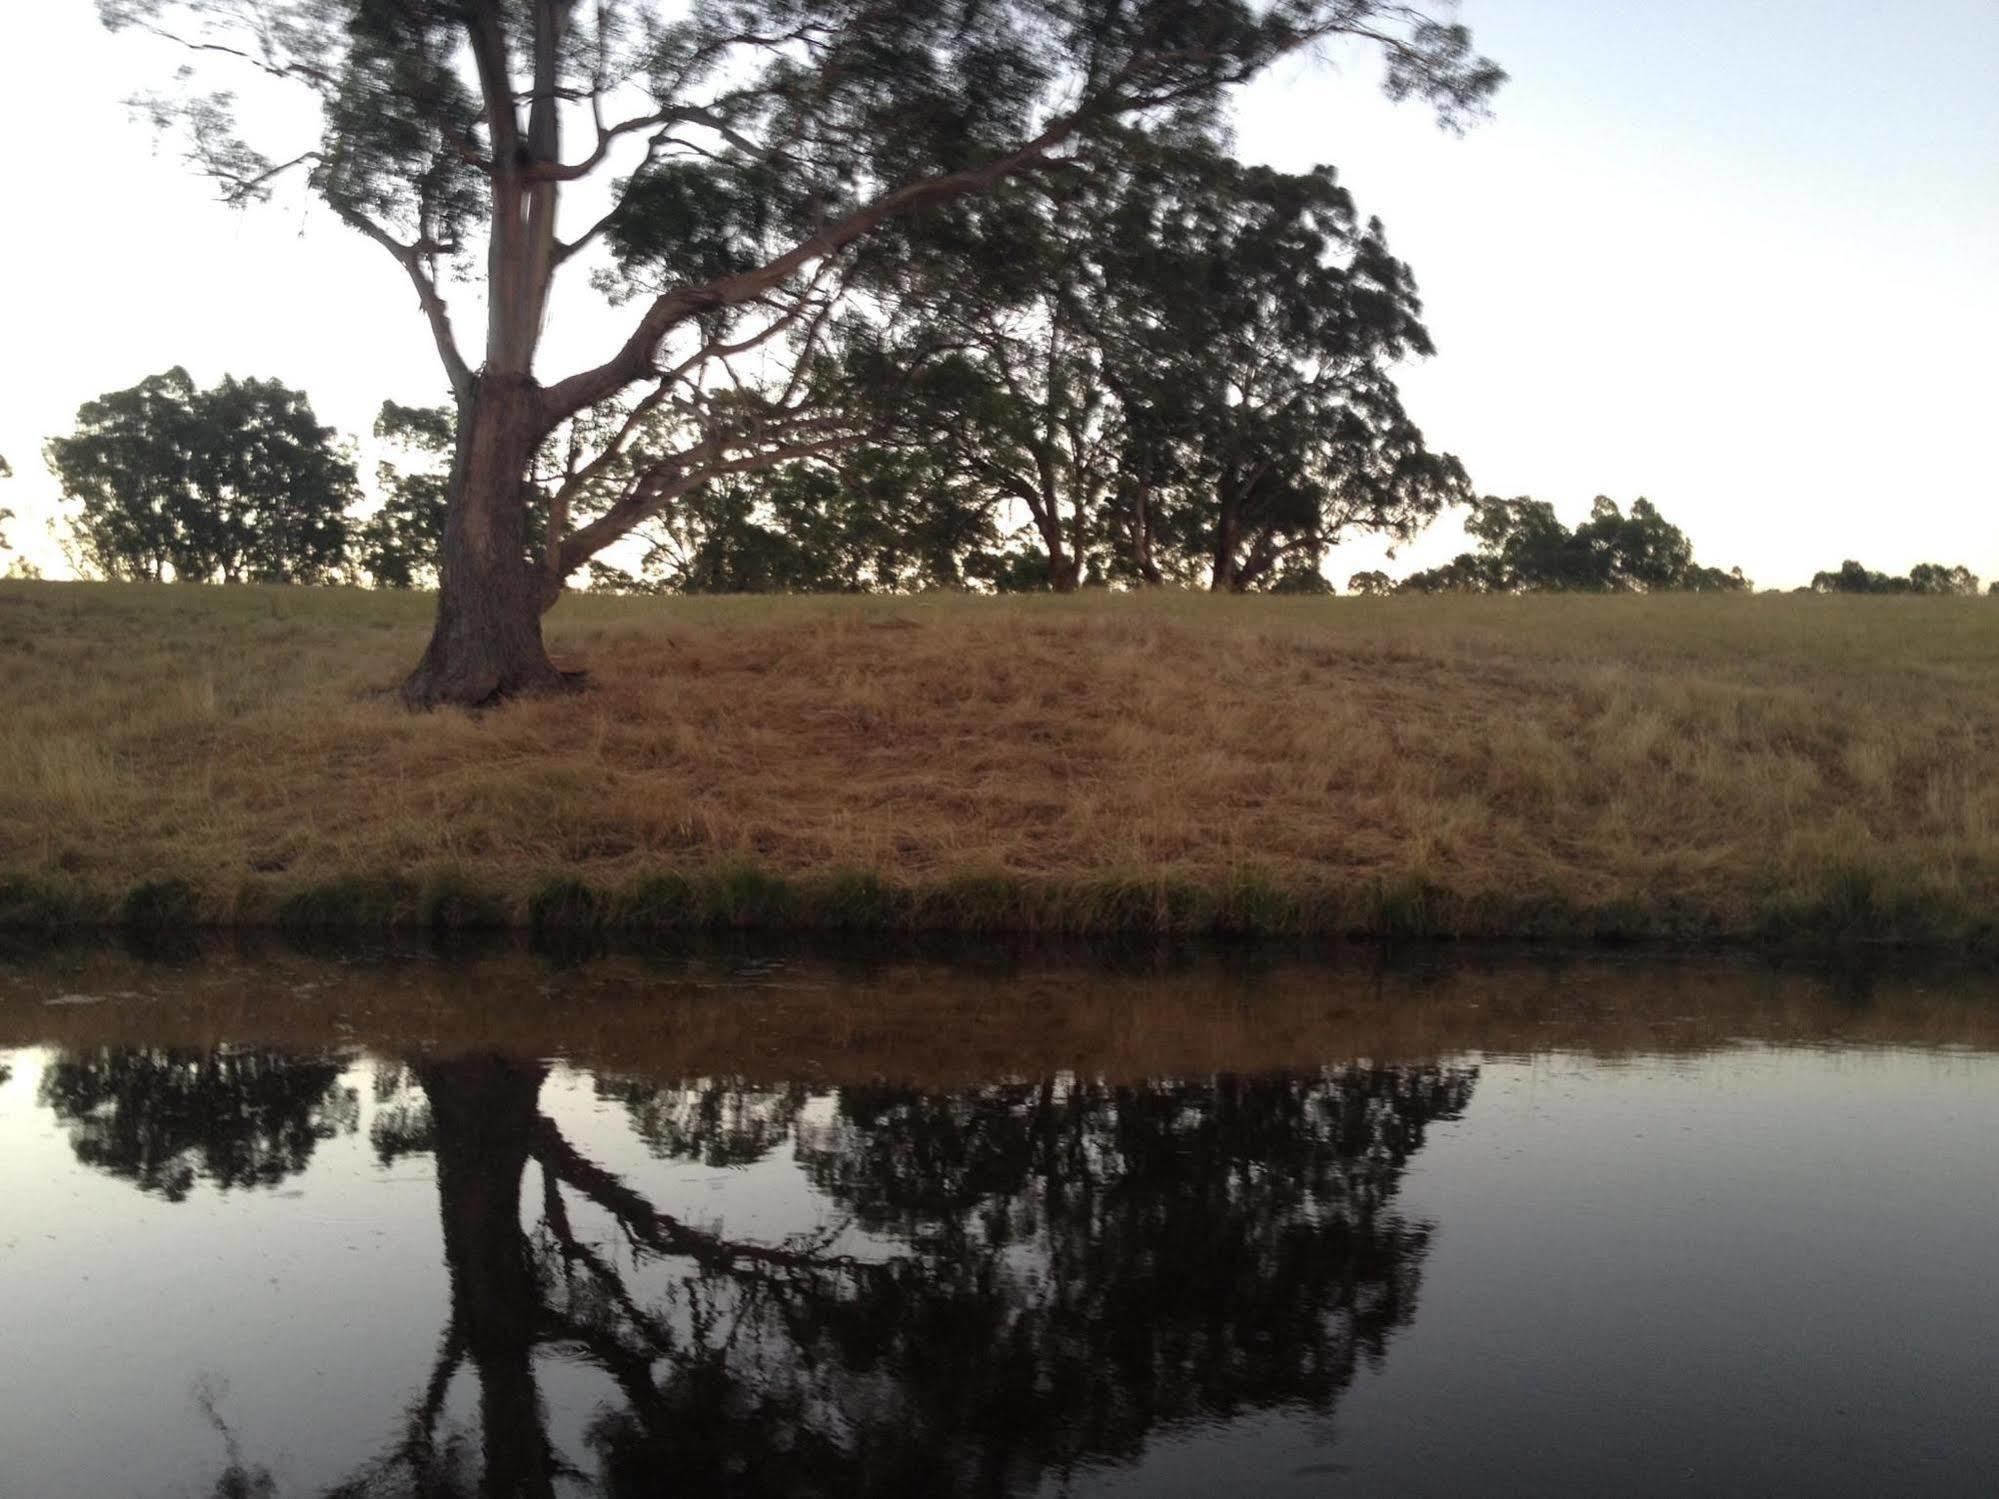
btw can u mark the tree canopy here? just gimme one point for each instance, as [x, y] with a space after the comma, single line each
[1524, 547]
[235, 483]
[1923, 578]
[1178, 367]
[766, 182]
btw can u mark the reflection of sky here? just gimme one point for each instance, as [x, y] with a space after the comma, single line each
[310, 1311]
[1772, 1262]
[1740, 258]
[1760, 1271]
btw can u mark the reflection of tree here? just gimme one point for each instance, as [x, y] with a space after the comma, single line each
[166, 1118]
[1074, 1266]
[716, 1123]
[1019, 1278]
[1193, 1247]
[402, 1124]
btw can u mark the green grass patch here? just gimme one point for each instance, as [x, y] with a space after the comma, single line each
[1849, 905]
[49, 905]
[160, 906]
[561, 905]
[357, 903]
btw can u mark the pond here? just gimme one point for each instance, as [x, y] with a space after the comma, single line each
[729, 1223]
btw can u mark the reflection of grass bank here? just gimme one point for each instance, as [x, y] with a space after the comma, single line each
[1688, 768]
[704, 1010]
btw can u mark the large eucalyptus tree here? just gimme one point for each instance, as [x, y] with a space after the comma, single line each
[745, 168]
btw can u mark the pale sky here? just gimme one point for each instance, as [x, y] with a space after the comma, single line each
[1738, 256]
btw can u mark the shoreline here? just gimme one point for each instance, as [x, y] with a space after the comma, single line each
[1852, 907]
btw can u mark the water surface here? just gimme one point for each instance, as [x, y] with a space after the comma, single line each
[726, 1225]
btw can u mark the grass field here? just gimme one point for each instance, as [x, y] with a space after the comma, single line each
[1687, 768]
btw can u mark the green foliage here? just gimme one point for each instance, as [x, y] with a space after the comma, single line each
[453, 902]
[1525, 548]
[872, 520]
[396, 547]
[159, 907]
[353, 903]
[836, 193]
[48, 904]
[565, 905]
[1174, 366]
[1371, 584]
[238, 483]
[1923, 578]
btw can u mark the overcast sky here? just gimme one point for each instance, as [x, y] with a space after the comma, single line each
[1738, 256]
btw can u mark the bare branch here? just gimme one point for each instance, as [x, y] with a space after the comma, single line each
[673, 477]
[669, 310]
[653, 1230]
[410, 258]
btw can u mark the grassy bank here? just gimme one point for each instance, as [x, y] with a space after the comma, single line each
[1685, 768]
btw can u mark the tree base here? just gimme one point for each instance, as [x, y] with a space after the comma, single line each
[483, 684]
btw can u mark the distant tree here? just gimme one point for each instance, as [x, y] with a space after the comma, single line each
[1937, 578]
[1854, 577]
[874, 520]
[17, 567]
[1524, 547]
[1924, 578]
[1179, 367]
[129, 466]
[236, 483]
[1371, 584]
[397, 546]
[1283, 314]
[783, 152]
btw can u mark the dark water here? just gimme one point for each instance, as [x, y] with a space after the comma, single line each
[274, 1227]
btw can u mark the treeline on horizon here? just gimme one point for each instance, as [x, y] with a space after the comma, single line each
[241, 483]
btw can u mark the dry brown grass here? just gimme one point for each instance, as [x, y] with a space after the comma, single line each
[1670, 765]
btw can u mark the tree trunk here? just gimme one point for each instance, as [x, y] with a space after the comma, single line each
[486, 644]
[1064, 570]
[1141, 539]
[1221, 578]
